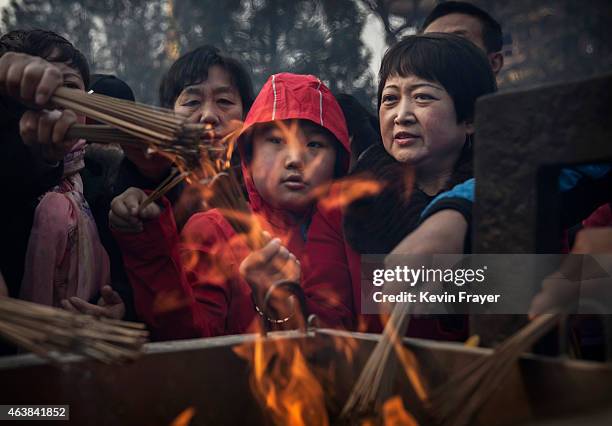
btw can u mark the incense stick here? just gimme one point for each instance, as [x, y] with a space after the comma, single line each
[458, 400]
[379, 369]
[48, 331]
[160, 127]
[105, 134]
[170, 182]
[162, 130]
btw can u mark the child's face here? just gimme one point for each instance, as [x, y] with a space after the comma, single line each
[215, 101]
[72, 77]
[290, 160]
[418, 123]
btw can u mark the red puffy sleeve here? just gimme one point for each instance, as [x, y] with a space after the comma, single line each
[179, 292]
[329, 272]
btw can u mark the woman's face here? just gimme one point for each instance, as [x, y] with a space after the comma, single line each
[418, 123]
[214, 102]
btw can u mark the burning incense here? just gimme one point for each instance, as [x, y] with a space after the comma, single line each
[163, 131]
[379, 369]
[460, 398]
[48, 331]
[170, 182]
[186, 150]
[160, 128]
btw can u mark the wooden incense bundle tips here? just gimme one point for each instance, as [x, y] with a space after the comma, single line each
[48, 332]
[164, 131]
[160, 128]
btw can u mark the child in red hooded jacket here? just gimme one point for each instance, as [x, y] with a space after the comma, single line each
[294, 142]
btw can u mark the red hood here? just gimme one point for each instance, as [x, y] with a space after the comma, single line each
[288, 96]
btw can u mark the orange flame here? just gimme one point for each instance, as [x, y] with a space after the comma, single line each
[411, 367]
[395, 414]
[284, 384]
[348, 190]
[184, 418]
[169, 301]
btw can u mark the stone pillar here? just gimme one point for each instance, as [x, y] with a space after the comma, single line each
[520, 136]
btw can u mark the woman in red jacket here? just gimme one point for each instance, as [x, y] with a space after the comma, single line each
[294, 141]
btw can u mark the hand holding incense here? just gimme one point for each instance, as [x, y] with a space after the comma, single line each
[170, 182]
[160, 129]
[166, 132]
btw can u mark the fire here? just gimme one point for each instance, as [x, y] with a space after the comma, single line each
[184, 418]
[284, 384]
[411, 367]
[395, 414]
[473, 341]
[169, 301]
[348, 190]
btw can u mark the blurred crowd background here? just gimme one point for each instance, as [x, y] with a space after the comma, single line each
[340, 40]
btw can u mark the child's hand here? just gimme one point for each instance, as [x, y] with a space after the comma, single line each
[110, 305]
[264, 267]
[28, 79]
[125, 216]
[46, 130]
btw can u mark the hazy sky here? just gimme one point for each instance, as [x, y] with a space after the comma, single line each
[374, 39]
[372, 36]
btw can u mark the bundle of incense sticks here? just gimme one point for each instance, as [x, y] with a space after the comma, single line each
[160, 128]
[459, 399]
[186, 150]
[380, 368]
[130, 123]
[48, 332]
